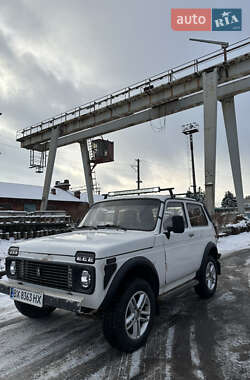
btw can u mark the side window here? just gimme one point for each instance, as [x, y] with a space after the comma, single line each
[174, 208]
[196, 215]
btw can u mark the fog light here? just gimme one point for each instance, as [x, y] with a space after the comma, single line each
[85, 279]
[13, 268]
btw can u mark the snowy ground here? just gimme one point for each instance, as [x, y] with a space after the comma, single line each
[192, 339]
[233, 243]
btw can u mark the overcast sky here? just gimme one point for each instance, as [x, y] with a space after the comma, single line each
[56, 54]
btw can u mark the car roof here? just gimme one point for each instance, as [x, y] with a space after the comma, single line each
[162, 198]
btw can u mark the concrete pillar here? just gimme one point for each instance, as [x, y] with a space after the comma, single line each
[228, 108]
[210, 134]
[87, 170]
[50, 167]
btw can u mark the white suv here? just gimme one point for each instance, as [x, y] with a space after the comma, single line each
[126, 252]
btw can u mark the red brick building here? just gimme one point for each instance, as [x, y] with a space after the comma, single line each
[19, 197]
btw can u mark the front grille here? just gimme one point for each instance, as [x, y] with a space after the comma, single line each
[54, 275]
[47, 274]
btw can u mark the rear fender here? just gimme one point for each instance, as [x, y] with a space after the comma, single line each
[211, 250]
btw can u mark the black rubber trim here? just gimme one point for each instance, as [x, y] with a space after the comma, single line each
[121, 274]
[208, 248]
[109, 270]
[218, 267]
[111, 260]
[211, 246]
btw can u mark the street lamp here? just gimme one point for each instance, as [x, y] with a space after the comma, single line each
[224, 45]
[188, 130]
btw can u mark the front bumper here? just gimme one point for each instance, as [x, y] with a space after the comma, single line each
[61, 300]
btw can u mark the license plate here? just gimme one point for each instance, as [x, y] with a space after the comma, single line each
[26, 296]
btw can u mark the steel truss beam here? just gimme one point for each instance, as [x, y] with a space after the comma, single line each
[191, 84]
[226, 90]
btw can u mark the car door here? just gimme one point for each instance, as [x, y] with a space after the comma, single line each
[201, 231]
[179, 246]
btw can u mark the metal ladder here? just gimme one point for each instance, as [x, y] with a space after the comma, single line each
[93, 173]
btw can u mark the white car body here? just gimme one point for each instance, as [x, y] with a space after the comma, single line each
[176, 259]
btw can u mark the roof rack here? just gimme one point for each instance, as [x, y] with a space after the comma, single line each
[139, 191]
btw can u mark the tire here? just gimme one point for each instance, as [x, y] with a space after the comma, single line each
[136, 305]
[33, 311]
[208, 276]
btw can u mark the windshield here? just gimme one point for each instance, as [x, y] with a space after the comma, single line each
[129, 214]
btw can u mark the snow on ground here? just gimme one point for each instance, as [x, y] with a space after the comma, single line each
[65, 346]
[233, 243]
[241, 224]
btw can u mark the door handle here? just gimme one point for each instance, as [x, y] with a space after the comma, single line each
[191, 235]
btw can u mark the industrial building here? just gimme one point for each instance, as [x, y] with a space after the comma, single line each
[22, 197]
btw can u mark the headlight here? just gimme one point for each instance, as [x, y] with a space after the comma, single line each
[13, 251]
[83, 278]
[13, 268]
[85, 257]
[86, 279]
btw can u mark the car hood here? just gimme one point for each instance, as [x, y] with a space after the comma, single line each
[103, 242]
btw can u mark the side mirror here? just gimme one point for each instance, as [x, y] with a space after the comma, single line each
[177, 225]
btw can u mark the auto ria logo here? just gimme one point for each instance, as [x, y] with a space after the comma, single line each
[206, 19]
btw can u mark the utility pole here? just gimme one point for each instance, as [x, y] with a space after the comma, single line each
[192, 158]
[137, 169]
[188, 130]
[138, 174]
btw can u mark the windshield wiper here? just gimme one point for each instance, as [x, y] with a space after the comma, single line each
[111, 226]
[87, 227]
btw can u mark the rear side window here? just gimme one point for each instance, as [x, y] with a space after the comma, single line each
[196, 215]
[174, 208]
